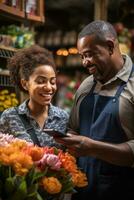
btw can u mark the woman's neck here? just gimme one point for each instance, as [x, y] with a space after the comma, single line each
[37, 110]
[39, 113]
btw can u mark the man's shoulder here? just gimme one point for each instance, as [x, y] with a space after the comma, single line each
[85, 86]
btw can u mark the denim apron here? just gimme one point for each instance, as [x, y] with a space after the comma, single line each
[99, 120]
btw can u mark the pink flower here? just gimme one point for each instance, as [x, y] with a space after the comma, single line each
[51, 160]
[6, 139]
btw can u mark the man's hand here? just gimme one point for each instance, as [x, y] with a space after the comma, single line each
[118, 154]
[76, 144]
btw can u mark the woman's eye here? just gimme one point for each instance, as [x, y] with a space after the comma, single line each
[40, 81]
[53, 81]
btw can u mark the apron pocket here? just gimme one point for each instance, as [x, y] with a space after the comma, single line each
[108, 187]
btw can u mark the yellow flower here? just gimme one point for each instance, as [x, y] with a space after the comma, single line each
[13, 95]
[51, 185]
[8, 102]
[4, 92]
[14, 102]
[2, 98]
[1, 108]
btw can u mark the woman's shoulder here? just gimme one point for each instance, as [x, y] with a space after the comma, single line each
[59, 112]
[8, 112]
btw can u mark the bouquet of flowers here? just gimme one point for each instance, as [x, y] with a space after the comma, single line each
[38, 173]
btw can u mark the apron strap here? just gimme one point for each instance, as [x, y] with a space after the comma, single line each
[123, 84]
[29, 129]
[93, 86]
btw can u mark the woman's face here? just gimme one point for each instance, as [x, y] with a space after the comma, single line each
[41, 85]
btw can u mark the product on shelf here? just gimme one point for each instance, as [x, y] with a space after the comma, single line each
[7, 99]
[31, 7]
[15, 36]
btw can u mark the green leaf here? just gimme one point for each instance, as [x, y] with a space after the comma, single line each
[30, 176]
[39, 197]
[38, 175]
[56, 151]
[4, 172]
[21, 191]
[32, 190]
[34, 175]
[9, 185]
[1, 187]
[36, 196]
[67, 185]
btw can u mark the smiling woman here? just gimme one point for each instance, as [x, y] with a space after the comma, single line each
[33, 70]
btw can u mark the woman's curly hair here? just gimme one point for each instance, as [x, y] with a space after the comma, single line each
[23, 63]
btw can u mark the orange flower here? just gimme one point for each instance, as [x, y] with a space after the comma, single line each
[35, 152]
[51, 185]
[21, 163]
[79, 179]
[19, 144]
[6, 151]
[68, 162]
[4, 159]
[49, 150]
[13, 156]
[22, 159]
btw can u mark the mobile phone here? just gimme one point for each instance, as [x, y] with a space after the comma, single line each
[54, 133]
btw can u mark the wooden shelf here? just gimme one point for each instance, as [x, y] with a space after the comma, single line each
[5, 79]
[19, 13]
[11, 10]
[4, 72]
[7, 52]
[12, 14]
[8, 48]
[35, 18]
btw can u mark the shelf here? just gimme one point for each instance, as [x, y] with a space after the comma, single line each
[5, 79]
[4, 73]
[36, 18]
[7, 52]
[18, 14]
[11, 11]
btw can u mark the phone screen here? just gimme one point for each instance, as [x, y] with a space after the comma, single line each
[54, 133]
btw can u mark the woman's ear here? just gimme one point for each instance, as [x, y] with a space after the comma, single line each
[24, 84]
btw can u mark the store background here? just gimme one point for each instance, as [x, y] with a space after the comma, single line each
[54, 24]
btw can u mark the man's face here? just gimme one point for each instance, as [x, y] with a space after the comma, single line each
[96, 57]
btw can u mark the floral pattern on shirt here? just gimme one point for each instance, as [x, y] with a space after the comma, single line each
[11, 123]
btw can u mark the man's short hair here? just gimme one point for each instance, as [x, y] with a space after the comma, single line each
[101, 29]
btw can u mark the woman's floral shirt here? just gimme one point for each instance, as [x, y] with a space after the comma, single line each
[11, 123]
